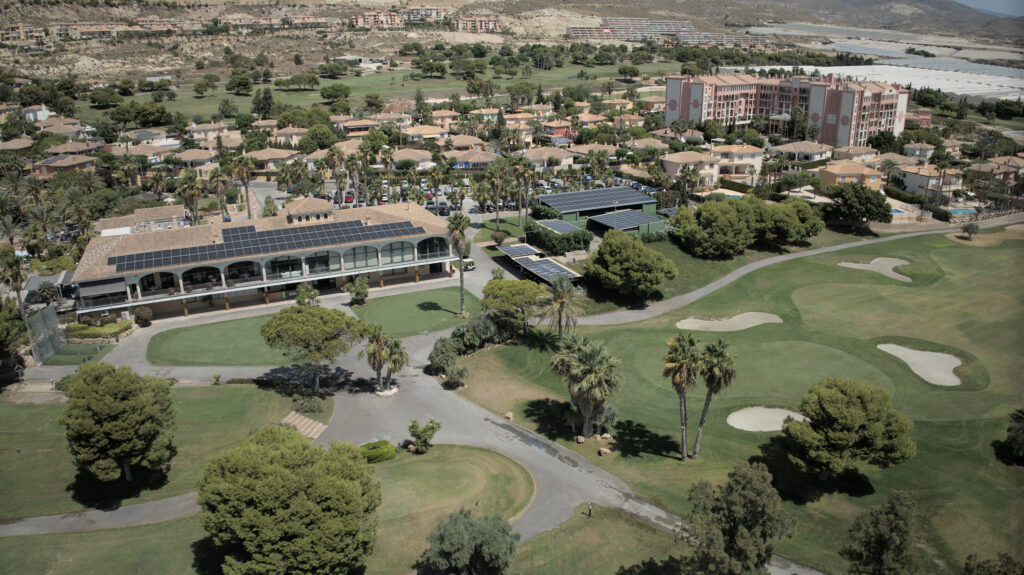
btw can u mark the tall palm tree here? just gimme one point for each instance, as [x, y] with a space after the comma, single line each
[682, 364]
[158, 185]
[591, 374]
[334, 162]
[376, 352]
[562, 304]
[719, 369]
[9, 228]
[190, 189]
[416, 194]
[12, 268]
[34, 189]
[242, 170]
[219, 185]
[458, 223]
[397, 359]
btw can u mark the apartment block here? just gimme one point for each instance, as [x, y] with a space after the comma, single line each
[424, 14]
[476, 24]
[845, 113]
[378, 19]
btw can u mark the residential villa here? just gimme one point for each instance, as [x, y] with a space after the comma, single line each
[706, 164]
[196, 158]
[644, 143]
[517, 118]
[173, 270]
[588, 120]
[653, 103]
[464, 142]
[801, 151]
[855, 153]
[207, 131]
[548, 159]
[618, 104]
[72, 148]
[289, 136]
[920, 150]
[740, 162]
[269, 125]
[359, 128]
[415, 134]
[18, 146]
[445, 118]
[55, 164]
[486, 114]
[845, 171]
[583, 149]
[471, 159]
[624, 121]
[558, 129]
[931, 181]
[422, 159]
[268, 159]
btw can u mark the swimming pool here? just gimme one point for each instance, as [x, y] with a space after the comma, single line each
[962, 211]
[895, 211]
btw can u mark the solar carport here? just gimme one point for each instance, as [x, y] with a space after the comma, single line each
[544, 269]
[576, 206]
[629, 221]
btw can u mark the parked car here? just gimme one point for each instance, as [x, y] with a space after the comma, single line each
[430, 205]
[443, 209]
[349, 197]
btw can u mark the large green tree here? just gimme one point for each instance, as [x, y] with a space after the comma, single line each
[511, 300]
[848, 421]
[312, 335]
[856, 204]
[1003, 565]
[736, 524]
[277, 504]
[884, 539]
[115, 420]
[591, 374]
[461, 544]
[13, 332]
[625, 265]
[682, 365]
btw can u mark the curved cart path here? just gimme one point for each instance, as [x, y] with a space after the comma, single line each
[563, 478]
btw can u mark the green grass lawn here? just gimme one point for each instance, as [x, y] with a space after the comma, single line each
[417, 491]
[509, 225]
[79, 353]
[418, 312]
[963, 298]
[599, 544]
[391, 84]
[38, 471]
[233, 342]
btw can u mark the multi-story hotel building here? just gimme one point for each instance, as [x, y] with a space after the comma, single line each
[157, 260]
[846, 113]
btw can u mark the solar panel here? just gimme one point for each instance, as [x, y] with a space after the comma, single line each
[245, 241]
[559, 226]
[545, 269]
[596, 199]
[518, 250]
[624, 220]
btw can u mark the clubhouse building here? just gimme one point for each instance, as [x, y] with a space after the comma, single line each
[172, 267]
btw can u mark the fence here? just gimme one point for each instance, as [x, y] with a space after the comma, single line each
[44, 334]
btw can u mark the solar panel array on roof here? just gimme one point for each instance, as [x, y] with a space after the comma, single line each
[518, 250]
[559, 226]
[244, 241]
[625, 220]
[545, 269]
[595, 199]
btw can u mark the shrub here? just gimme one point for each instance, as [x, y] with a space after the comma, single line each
[457, 376]
[82, 331]
[558, 244]
[499, 238]
[443, 356]
[378, 451]
[359, 289]
[308, 404]
[941, 214]
[652, 237]
[143, 316]
[539, 211]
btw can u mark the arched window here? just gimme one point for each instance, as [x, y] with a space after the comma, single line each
[432, 248]
[360, 257]
[323, 262]
[284, 267]
[396, 253]
[244, 271]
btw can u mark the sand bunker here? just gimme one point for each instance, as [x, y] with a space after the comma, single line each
[881, 265]
[933, 367]
[1014, 232]
[734, 323]
[761, 418]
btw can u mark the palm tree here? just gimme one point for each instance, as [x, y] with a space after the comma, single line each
[219, 185]
[458, 223]
[334, 161]
[158, 186]
[376, 352]
[590, 373]
[416, 194]
[242, 171]
[397, 359]
[682, 363]
[9, 228]
[11, 266]
[889, 168]
[562, 304]
[190, 190]
[718, 368]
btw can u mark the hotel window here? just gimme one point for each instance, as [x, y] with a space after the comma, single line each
[397, 252]
[360, 257]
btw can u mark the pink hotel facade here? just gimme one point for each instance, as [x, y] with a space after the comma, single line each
[846, 113]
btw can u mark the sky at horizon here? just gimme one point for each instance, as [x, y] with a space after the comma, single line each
[1011, 7]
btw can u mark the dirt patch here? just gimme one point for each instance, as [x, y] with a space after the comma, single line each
[934, 367]
[493, 388]
[734, 323]
[882, 266]
[761, 418]
[38, 393]
[1014, 232]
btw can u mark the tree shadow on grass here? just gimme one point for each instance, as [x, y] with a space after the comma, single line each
[540, 340]
[433, 306]
[1003, 449]
[208, 557]
[633, 439]
[295, 380]
[553, 418]
[859, 231]
[802, 487]
[108, 495]
[671, 565]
